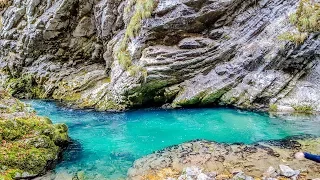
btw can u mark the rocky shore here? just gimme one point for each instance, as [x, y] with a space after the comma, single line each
[196, 173]
[29, 144]
[204, 160]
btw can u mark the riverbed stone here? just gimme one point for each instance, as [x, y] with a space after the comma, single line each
[271, 173]
[287, 171]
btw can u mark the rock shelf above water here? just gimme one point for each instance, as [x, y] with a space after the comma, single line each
[226, 160]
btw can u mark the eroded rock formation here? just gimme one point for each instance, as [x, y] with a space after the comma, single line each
[99, 54]
[227, 160]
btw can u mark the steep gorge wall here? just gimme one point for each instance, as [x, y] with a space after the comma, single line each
[114, 55]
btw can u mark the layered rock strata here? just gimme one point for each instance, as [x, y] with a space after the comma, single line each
[120, 54]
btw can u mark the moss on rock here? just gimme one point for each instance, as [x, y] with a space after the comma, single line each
[24, 86]
[29, 144]
[306, 109]
[273, 108]
[142, 10]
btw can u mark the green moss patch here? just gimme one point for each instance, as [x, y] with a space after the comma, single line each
[306, 109]
[273, 108]
[24, 86]
[28, 143]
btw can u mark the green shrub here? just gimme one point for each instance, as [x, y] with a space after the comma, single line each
[24, 86]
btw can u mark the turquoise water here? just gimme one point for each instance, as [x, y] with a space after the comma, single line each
[106, 144]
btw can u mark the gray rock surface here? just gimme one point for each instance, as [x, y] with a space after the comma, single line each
[251, 161]
[286, 171]
[188, 53]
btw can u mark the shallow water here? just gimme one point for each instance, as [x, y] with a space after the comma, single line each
[108, 143]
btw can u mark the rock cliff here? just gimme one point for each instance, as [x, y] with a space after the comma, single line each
[120, 54]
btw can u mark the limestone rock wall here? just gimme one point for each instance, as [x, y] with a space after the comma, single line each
[187, 53]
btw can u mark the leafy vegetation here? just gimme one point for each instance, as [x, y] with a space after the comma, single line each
[306, 19]
[142, 10]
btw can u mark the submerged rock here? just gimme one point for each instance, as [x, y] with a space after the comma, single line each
[29, 144]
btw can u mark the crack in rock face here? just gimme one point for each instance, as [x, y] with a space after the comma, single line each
[186, 53]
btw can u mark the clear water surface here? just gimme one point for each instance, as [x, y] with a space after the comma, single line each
[108, 143]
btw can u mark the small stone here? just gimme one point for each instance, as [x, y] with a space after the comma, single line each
[223, 176]
[184, 177]
[193, 171]
[212, 174]
[295, 177]
[271, 172]
[202, 176]
[236, 171]
[286, 171]
[242, 176]
[170, 178]
[269, 178]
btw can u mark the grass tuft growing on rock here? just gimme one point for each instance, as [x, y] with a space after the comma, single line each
[273, 108]
[142, 10]
[297, 38]
[306, 19]
[307, 16]
[306, 109]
